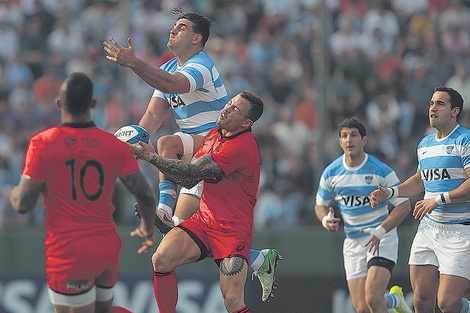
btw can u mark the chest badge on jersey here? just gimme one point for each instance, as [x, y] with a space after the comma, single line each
[71, 143]
[368, 179]
[449, 149]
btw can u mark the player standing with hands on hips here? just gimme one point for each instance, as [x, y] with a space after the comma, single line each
[192, 87]
[75, 166]
[440, 253]
[370, 248]
[229, 163]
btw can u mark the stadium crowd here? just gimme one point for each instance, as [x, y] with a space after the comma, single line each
[385, 58]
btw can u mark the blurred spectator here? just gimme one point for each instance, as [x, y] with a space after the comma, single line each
[456, 14]
[17, 71]
[66, 38]
[45, 18]
[456, 41]
[380, 18]
[33, 49]
[10, 42]
[345, 39]
[382, 114]
[461, 81]
[292, 135]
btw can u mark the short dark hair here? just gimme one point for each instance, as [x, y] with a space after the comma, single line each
[257, 105]
[201, 23]
[353, 122]
[78, 93]
[456, 100]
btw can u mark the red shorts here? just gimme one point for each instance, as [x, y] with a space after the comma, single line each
[75, 266]
[223, 241]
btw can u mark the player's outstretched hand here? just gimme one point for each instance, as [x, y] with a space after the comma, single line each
[150, 240]
[379, 194]
[119, 54]
[424, 206]
[142, 150]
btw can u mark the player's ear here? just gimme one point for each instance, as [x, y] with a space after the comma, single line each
[58, 103]
[197, 39]
[93, 103]
[247, 123]
[364, 140]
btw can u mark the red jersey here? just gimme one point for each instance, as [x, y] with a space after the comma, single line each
[230, 200]
[79, 164]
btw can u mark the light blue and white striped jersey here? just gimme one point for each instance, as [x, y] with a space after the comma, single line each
[195, 112]
[442, 163]
[351, 188]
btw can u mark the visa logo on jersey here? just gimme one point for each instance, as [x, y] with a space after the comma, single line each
[355, 200]
[435, 174]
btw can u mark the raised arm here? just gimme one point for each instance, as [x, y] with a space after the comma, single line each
[154, 115]
[155, 77]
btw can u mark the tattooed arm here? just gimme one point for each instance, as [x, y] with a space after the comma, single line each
[187, 174]
[23, 197]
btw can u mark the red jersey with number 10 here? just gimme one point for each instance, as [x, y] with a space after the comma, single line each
[79, 164]
[229, 200]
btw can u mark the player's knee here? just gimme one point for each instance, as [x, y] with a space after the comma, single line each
[374, 301]
[362, 309]
[449, 304]
[233, 300]
[160, 262]
[169, 146]
[423, 304]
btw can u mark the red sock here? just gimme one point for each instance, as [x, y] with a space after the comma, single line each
[166, 291]
[245, 309]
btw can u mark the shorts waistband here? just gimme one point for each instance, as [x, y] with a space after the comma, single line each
[456, 226]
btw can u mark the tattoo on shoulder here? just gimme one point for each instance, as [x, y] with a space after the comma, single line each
[231, 266]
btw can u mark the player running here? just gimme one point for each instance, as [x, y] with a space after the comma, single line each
[370, 248]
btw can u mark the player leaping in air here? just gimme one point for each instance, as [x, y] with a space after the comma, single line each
[192, 87]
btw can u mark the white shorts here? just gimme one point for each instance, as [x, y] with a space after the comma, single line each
[188, 146]
[79, 300]
[196, 190]
[356, 254]
[446, 246]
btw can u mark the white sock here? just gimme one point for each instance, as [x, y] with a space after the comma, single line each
[256, 264]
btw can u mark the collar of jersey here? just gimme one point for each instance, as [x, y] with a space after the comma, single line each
[233, 136]
[80, 125]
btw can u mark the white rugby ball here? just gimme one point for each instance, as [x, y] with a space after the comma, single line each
[132, 134]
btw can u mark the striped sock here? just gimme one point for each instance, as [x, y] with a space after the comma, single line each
[393, 301]
[167, 196]
[256, 259]
[465, 306]
[243, 310]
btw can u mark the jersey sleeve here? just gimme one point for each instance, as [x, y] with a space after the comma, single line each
[324, 193]
[129, 163]
[34, 166]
